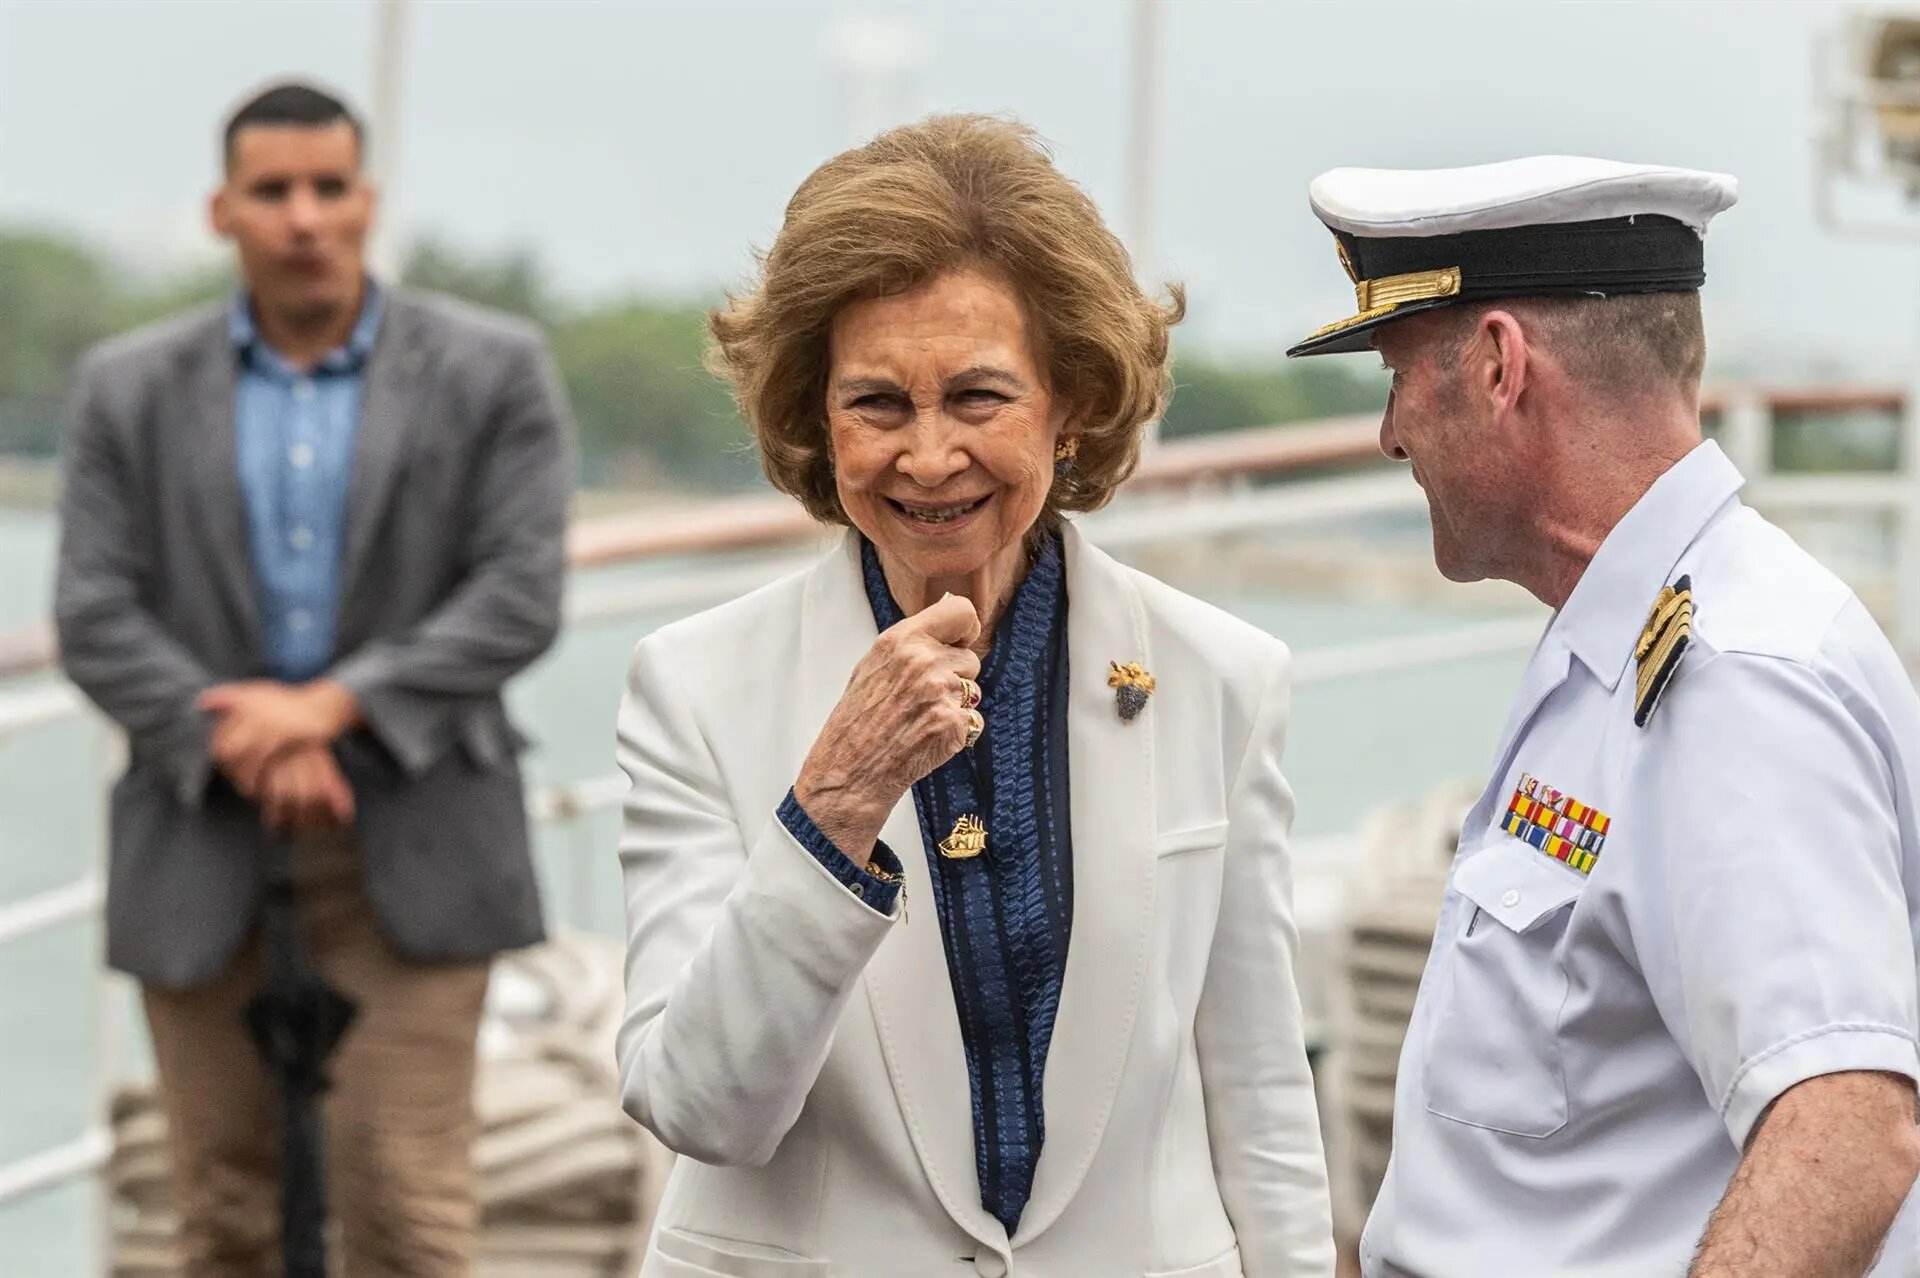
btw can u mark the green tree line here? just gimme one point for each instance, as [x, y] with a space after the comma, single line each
[648, 411]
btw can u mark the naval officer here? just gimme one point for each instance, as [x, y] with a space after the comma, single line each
[1668, 1023]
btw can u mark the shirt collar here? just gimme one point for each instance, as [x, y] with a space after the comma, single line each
[1604, 614]
[1034, 611]
[348, 358]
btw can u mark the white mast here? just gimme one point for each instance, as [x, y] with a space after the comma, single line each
[391, 24]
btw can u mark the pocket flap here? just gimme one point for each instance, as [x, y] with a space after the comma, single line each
[1517, 884]
[732, 1258]
[490, 738]
[1196, 838]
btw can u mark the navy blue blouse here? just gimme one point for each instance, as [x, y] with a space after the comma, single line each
[1005, 917]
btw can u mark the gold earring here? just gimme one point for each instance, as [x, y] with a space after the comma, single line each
[1063, 454]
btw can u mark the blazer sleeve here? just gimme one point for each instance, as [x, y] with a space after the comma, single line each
[1261, 1116]
[505, 611]
[742, 949]
[111, 645]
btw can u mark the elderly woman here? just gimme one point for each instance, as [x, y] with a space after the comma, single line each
[956, 866]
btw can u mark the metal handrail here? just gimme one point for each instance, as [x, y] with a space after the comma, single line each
[768, 520]
[84, 1155]
[565, 801]
[763, 521]
[771, 520]
[64, 904]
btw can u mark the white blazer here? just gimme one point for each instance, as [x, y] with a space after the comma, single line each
[801, 1050]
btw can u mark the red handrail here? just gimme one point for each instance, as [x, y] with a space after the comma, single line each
[764, 520]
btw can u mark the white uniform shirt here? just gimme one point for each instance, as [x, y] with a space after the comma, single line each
[1590, 1051]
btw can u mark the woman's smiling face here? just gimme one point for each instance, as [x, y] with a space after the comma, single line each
[941, 423]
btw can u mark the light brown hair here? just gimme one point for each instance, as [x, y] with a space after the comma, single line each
[917, 201]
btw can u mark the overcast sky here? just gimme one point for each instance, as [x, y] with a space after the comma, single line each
[651, 143]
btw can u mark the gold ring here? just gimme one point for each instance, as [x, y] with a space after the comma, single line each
[975, 726]
[969, 693]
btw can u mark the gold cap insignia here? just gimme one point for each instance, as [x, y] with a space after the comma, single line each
[1346, 262]
[1663, 641]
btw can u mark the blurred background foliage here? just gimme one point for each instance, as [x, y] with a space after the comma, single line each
[650, 415]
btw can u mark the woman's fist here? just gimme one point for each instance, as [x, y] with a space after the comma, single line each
[904, 713]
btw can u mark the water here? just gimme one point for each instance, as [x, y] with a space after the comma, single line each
[1354, 744]
[26, 566]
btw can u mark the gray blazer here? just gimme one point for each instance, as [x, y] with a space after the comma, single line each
[453, 565]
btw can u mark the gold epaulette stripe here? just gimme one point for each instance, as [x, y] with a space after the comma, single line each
[1662, 644]
[1663, 612]
[1662, 652]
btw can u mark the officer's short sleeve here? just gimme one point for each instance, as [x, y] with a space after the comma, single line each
[1764, 884]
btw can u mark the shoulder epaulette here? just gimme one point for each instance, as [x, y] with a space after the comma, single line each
[1663, 641]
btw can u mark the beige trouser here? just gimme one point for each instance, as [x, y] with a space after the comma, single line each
[399, 1122]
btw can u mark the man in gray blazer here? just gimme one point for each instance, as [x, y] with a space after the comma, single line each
[306, 537]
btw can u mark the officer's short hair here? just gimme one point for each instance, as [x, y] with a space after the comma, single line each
[1623, 345]
[289, 103]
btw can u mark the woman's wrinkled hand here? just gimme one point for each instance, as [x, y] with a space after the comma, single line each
[902, 716]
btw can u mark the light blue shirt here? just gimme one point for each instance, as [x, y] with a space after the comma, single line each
[294, 445]
[1653, 931]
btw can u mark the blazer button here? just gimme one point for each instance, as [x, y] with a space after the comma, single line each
[989, 1265]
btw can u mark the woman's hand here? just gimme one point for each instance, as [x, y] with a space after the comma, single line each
[901, 717]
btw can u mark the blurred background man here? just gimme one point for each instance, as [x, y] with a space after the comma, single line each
[305, 538]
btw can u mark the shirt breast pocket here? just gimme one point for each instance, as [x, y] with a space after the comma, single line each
[1493, 1056]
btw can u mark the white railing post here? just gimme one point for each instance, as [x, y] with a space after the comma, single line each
[1746, 435]
[1906, 544]
[109, 755]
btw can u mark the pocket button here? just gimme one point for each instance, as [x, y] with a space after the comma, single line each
[1510, 898]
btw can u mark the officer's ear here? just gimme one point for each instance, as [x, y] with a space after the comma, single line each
[1500, 360]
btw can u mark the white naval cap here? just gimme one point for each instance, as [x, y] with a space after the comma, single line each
[1415, 239]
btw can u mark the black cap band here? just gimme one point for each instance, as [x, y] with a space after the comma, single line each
[1645, 254]
[1398, 276]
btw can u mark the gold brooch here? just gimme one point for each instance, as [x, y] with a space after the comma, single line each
[1663, 641]
[968, 840]
[1131, 685]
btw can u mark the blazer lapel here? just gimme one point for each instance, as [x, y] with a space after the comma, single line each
[908, 988]
[1110, 764]
[396, 374]
[209, 382]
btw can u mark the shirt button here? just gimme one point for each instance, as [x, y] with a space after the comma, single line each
[858, 889]
[989, 1265]
[1510, 897]
[301, 455]
[300, 619]
[303, 391]
[300, 538]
